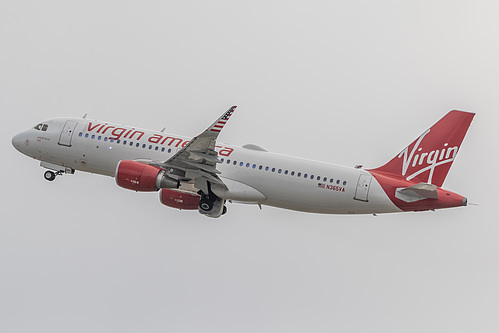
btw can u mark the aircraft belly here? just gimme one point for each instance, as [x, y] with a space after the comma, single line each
[90, 156]
[333, 203]
[241, 192]
[311, 196]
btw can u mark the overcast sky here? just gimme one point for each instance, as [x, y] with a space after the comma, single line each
[350, 82]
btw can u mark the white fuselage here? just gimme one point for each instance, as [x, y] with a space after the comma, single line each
[251, 174]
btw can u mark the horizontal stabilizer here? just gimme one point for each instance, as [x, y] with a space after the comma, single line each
[417, 192]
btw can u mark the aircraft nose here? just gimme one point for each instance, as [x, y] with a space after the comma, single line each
[18, 141]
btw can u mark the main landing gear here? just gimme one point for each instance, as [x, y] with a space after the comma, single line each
[211, 205]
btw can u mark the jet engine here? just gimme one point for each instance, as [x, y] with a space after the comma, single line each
[137, 176]
[179, 199]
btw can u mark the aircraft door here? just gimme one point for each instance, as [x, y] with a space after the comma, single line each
[362, 191]
[67, 133]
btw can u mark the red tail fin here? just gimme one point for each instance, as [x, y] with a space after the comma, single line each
[429, 158]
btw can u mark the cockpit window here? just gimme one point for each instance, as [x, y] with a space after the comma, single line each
[41, 127]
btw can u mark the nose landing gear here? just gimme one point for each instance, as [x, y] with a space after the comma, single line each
[49, 175]
[55, 170]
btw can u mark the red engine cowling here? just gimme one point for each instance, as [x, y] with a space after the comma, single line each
[142, 177]
[179, 199]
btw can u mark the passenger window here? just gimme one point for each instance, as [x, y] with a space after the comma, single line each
[81, 134]
[143, 145]
[260, 167]
[279, 171]
[247, 165]
[150, 146]
[325, 179]
[292, 173]
[105, 139]
[124, 142]
[305, 175]
[241, 164]
[138, 145]
[273, 169]
[86, 135]
[299, 174]
[228, 161]
[266, 168]
[93, 136]
[344, 183]
[111, 140]
[162, 149]
[234, 163]
[311, 176]
[99, 137]
[169, 150]
[286, 172]
[338, 181]
[254, 166]
[331, 180]
[131, 143]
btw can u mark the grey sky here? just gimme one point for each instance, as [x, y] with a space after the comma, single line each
[343, 82]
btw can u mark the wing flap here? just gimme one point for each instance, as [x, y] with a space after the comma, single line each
[205, 156]
[205, 167]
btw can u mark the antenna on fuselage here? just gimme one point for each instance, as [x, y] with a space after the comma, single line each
[85, 116]
[163, 130]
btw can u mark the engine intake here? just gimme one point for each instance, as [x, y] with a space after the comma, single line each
[137, 176]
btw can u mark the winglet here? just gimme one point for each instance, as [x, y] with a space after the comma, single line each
[218, 125]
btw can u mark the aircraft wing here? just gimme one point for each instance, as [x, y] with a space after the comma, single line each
[198, 159]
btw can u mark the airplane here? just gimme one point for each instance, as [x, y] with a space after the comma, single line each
[203, 174]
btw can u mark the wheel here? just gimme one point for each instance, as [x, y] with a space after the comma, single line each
[205, 204]
[49, 175]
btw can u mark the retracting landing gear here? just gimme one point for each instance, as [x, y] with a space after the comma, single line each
[206, 203]
[55, 170]
[49, 175]
[211, 205]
